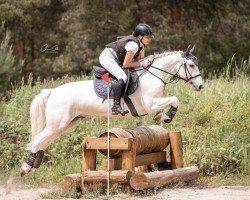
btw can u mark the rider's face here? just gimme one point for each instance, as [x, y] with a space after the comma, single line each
[146, 39]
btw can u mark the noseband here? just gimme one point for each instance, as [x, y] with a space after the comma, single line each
[176, 75]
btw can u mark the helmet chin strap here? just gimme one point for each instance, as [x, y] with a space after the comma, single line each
[141, 40]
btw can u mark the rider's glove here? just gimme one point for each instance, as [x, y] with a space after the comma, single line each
[146, 62]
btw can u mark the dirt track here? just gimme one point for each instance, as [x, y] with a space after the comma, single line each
[221, 193]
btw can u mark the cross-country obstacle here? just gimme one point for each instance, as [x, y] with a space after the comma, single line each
[137, 160]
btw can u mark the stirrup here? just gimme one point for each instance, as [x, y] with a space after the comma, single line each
[124, 112]
[119, 110]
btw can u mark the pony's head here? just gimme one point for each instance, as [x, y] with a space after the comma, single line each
[181, 65]
[187, 69]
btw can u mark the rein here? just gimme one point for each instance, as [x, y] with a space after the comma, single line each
[183, 63]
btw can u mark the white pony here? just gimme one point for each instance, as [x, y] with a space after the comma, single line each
[54, 110]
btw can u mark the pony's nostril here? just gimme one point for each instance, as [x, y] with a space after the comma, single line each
[201, 87]
[191, 82]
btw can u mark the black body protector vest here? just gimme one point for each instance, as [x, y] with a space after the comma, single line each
[119, 47]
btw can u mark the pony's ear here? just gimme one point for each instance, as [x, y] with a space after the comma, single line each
[187, 51]
[192, 50]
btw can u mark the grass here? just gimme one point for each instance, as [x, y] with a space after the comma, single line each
[223, 180]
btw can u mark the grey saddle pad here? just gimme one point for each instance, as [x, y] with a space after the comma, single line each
[101, 87]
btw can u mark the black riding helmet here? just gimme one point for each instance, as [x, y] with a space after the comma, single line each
[143, 29]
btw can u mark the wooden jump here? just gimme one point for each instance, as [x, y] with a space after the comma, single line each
[133, 151]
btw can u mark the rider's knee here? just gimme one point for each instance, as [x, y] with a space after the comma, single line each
[125, 78]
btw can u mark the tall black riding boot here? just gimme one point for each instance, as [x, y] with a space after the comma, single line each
[118, 91]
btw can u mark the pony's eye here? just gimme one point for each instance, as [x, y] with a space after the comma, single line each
[192, 66]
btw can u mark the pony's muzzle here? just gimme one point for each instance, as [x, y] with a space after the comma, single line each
[196, 84]
[200, 87]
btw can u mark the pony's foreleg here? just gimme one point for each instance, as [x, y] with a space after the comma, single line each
[159, 104]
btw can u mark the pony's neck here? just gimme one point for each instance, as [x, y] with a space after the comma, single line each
[166, 61]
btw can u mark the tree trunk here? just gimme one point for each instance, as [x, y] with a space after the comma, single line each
[21, 52]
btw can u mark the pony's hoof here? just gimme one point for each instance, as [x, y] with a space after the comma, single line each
[170, 114]
[25, 169]
[168, 120]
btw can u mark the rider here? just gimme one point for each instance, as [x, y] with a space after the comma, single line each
[125, 53]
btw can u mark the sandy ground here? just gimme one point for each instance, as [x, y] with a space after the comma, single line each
[21, 194]
[221, 193]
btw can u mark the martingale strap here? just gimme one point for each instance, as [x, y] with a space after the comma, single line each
[131, 106]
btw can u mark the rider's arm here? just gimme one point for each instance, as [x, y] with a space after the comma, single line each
[128, 60]
[131, 47]
[142, 54]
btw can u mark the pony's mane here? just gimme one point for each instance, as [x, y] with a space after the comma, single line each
[163, 54]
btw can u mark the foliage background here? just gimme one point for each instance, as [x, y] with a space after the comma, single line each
[80, 29]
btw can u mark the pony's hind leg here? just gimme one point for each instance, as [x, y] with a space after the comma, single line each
[40, 142]
[38, 145]
[43, 139]
[51, 132]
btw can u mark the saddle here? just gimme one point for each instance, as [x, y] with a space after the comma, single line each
[101, 87]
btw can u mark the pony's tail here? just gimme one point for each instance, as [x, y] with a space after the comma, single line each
[37, 113]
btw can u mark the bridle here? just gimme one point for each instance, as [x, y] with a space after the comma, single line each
[176, 75]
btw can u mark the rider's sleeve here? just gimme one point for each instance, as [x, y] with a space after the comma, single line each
[131, 46]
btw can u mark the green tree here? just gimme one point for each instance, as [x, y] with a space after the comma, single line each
[8, 71]
[33, 24]
[80, 29]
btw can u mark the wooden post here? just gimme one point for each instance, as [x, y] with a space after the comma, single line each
[128, 163]
[176, 153]
[88, 162]
[162, 178]
[89, 159]
[128, 158]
